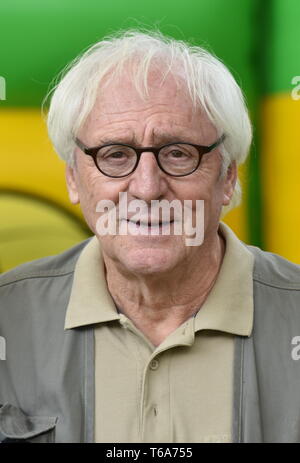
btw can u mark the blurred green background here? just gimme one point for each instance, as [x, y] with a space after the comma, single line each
[258, 40]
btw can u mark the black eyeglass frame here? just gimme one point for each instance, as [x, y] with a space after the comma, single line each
[139, 151]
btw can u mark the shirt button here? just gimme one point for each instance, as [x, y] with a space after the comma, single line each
[154, 364]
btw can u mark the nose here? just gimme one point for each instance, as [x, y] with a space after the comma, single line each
[148, 182]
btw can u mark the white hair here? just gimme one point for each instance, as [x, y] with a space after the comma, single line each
[208, 82]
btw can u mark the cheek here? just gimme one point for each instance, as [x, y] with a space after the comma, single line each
[92, 189]
[200, 188]
[208, 188]
[90, 192]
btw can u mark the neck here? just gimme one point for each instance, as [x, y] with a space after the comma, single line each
[157, 305]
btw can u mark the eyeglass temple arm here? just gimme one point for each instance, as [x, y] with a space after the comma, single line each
[80, 145]
[218, 142]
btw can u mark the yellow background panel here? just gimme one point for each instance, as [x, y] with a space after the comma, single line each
[28, 161]
[280, 164]
[31, 229]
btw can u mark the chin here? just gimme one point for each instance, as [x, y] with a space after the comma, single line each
[147, 261]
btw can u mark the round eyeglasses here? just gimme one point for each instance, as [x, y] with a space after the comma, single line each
[176, 159]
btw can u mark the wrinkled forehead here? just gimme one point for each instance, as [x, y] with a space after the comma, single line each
[130, 89]
[126, 93]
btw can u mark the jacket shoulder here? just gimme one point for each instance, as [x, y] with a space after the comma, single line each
[51, 266]
[274, 270]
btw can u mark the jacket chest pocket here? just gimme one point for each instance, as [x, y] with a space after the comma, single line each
[17, 427]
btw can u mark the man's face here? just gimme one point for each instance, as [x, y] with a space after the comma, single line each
[120, 115]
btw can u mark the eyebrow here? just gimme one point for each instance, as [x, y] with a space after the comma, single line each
[115, 141]
[160, 139]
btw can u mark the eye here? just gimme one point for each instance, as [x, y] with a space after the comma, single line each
[112, 153]
[116, 155]
[177, 154]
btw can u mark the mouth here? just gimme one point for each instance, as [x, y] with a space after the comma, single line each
[151, 224]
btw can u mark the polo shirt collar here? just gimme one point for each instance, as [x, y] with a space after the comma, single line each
[90, 301]
[229, 306]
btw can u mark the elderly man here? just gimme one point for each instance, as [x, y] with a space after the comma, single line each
[139, 335]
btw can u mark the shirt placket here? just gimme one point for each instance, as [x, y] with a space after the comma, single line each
[155, 399]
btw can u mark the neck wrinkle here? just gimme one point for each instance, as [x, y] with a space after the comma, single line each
[136, 306]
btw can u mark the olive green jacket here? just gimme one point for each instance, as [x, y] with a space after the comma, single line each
[47, 373]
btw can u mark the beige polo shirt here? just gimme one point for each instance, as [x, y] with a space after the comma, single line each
[181, 390]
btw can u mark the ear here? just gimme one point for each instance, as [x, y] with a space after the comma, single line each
[72, 185]
[229, 183]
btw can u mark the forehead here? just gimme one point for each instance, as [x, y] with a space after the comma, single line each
[122, 93]
[121, 110]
